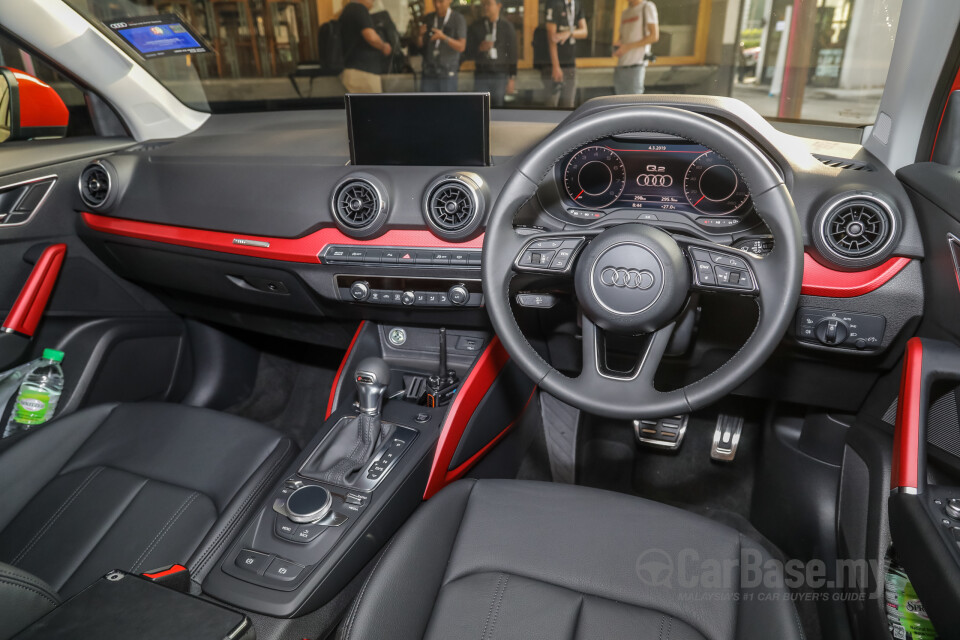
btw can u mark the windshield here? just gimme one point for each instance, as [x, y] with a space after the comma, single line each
[824, 61]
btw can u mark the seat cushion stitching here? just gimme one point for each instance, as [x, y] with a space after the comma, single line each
[576, 620]
[238, 515]
[356, 605]
[163, 531]
[496, 612]
[669, 628]
[31, 581]
[20, 585]
[56, 515]
[660, 634]
[493, 601]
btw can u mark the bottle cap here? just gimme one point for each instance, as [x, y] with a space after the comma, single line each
[53, 354]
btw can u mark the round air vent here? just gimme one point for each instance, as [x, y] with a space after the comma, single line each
[358, 206]
[453, 205]
[96, 185]
[856, 229]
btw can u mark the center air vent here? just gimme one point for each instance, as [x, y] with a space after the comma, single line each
[95, 186]
[453, 204]
[856, 230]
[358, 206]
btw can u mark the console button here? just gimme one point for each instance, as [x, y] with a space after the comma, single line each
[458, 294]
[353, 498]
[473, 258]
[441, 257]
[308, 532]
[420, 297]
[360, 291]
[283, 570]
[459, 258]
[433, 299]
[356, 255]
[389, 256]
[253, 561]
[424, 258]
[285, 529]
[336, 254]
[406, 257]
[373, 256]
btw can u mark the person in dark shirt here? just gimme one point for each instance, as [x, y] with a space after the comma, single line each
[363, 49]
[443, 37]
[492, 43]
[565, 25]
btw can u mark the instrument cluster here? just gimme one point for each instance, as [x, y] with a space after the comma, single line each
[657, 179]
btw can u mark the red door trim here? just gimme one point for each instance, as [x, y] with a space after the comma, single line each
[819, 280]
[303, 249]
[904, 472]
[29, 306]
[468, 398]
[343, 363]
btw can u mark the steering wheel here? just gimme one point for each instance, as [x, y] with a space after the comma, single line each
[635, 279]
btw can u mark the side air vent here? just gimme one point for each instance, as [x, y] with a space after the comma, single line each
[97, 185]
[856, 229]
[843, 163]
[453, 205]
[358, 206]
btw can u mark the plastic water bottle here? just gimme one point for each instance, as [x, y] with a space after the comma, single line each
[39, 394]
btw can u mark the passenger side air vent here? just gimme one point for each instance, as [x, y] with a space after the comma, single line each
[856, 229]
[843, 163]
[97, 185]
[453, 205]
[358, 206]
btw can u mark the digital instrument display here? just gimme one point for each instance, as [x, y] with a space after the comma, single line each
[158, 36]
[426, 129]
[665, 177]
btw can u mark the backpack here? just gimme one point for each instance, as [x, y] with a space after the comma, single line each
[541, 52]
[331, 48]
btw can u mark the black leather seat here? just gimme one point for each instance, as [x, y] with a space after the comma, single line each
[131, 487]
[513, 559]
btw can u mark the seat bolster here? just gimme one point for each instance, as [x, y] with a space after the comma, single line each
[765, 611]
[24, 599]
[398, 597]
[246, 500]
[34, 460]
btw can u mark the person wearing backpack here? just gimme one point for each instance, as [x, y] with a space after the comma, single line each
[442, 38]
[639, 28]
[363, 49]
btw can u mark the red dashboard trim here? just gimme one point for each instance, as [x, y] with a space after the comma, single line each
[29, 306]
[468, 398]
[303, 249]
[904, 472]
[343, 363]
[819, 280]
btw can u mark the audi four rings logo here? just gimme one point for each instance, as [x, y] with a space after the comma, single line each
[629, 278]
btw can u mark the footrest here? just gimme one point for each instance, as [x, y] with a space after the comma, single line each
[664, 433]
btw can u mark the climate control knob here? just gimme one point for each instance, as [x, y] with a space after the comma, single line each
[832, 331]
[408, 298]
[458, 295]
[360, 291]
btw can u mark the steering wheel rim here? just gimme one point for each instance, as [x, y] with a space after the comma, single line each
[778, 275]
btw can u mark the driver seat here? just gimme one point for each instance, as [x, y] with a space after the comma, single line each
[517, 559]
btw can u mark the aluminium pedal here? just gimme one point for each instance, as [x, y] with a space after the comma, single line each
[664, 433]
[726, 437]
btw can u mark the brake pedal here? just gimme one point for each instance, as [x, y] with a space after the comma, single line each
[665, 433]
[726, 437]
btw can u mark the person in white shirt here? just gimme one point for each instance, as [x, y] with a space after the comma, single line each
[639, 28]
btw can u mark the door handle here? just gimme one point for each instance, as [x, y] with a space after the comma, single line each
[25, 314]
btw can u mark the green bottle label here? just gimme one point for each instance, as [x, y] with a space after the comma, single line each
[32, 407]
[905, 613]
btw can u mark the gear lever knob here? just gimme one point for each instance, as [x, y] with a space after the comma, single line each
[372, 376]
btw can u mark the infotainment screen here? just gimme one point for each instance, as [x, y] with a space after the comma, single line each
[428, 129]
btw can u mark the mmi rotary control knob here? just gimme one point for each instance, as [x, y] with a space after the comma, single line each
[309, 503]
[458, 295]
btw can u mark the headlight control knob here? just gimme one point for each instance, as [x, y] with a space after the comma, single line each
[832, 331]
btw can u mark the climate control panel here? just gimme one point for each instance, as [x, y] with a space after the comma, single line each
[841, 329]
[410, 292]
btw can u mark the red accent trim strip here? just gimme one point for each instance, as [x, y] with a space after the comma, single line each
[819, 280]
[904, 470]
[343, 363]
[177, 568]
[954, 87]
[27, 310]
[468, 398]
[303, 249]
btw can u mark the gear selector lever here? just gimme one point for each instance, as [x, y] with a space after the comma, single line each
[372, 377]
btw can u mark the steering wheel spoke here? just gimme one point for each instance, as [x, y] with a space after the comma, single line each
[722, 269]
[639, 378]
[551, 254]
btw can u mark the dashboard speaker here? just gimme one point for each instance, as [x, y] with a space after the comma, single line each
[856, 229]
[97, 185]
[358, 206]
[453, 205]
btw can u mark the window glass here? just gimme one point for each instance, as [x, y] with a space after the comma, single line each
[825, 61]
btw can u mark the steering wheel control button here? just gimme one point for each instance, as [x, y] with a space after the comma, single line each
[536, 300]
[553, 255]
[705, 273]
[546, 244]
[253, 561]
[283, 570]
[309, 503]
